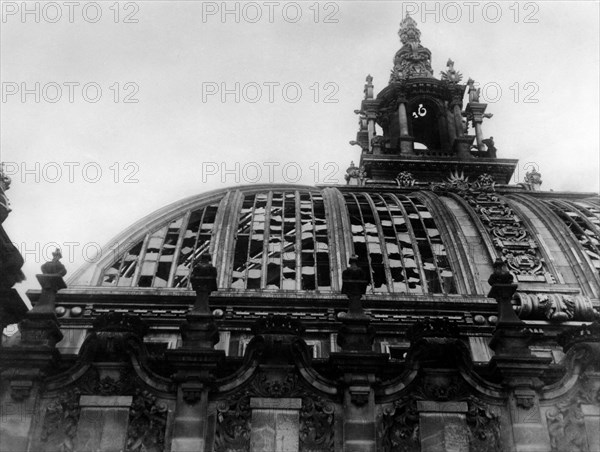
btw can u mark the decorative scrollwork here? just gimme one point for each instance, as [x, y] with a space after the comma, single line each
[405, 179]
[566, 427]
[398, 428]
[316, 425]
[484, 429]
[234, 415]
[510, 235]
[147, 423]
[60, 421]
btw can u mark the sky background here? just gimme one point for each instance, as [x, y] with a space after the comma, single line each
[99, 161]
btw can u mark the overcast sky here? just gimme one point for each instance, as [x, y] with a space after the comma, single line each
[116, 110]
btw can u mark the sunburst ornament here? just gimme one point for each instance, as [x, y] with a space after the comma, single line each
[458, 180]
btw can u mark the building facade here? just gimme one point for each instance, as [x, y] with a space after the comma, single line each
[427, 305]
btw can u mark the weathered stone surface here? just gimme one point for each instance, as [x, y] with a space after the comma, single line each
[274, 429]
[103, 423]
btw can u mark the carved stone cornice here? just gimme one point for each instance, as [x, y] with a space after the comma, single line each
[582, 346]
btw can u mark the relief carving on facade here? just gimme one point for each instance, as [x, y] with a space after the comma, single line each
[60, 421]
[510, 235]
[405, 179]
[147, 423]
[566, 427]
[234, 414]
[398, 427]
[555, 307]
[147, 416]
[233, 424]
[484, 428]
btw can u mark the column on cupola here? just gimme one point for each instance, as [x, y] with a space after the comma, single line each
[406, 141]
[477, 120]
[451, 124]
[462, 141]
[458, 125]
[371, 129]
[475, 111]
[368, 112]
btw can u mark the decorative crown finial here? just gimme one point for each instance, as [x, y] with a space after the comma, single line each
[412, 60]
[408, 31]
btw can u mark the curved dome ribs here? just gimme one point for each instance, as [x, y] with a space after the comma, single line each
[282, 242]
[457, 249]
[583, 222]
[194, 241]
[149, 262]
[413, 258]
[292, 239]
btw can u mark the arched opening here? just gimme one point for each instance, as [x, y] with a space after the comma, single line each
[424, 123]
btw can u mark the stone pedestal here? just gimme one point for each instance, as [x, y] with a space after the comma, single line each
[51, 284]
[356, 333]
[199, 331]
[462, 146]
[195, 364]
[520, 372]
[475, 110]
[40, 331]
[358, 370]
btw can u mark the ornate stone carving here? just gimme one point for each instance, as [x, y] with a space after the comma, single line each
[405, 179]
[192, 391]
[584, 333]
[316, 425]
[355, 175]
[485, 182]
[559, 308]
[533, 179]
[451, 75]
[278, 324]
[378, 143]
[147, 423]
[412, 60]
[491, 147]
[234, 414]
[432, 328]
[398, 428]
[555, 307]
[91, 383]
[147, 417]
[60, 421]
[566, 427]
[510, 236]
[368, 90]
[275, 385]
[233, 424]
[473, 92]
[484, 428]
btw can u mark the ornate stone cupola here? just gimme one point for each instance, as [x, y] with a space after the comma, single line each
[419, 125]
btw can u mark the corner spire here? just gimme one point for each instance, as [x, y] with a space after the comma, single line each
[412, 60]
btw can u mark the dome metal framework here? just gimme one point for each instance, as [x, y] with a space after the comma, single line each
[299, 238]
